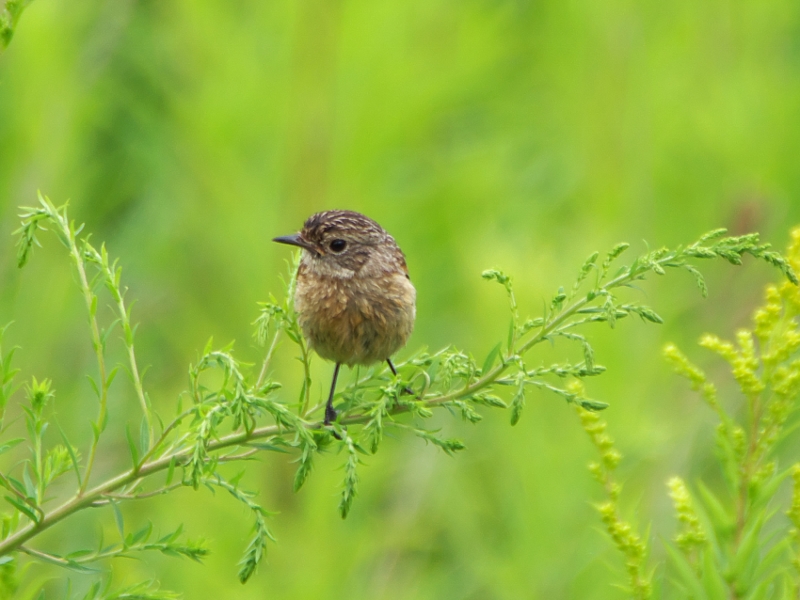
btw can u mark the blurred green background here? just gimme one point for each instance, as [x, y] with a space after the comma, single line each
[480, 133]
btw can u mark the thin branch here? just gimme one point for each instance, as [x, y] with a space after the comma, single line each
[142, 496]
[172, 425]
[91, 305]
[268, 358]
[45, 556]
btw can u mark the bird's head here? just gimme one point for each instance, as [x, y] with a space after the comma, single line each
[343, 244]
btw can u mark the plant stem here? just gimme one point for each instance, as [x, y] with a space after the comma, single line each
[97, 343]
[273, 344]
[306, 360]
[137, 380]
[111, 274]
[87, 498]
[546, 329]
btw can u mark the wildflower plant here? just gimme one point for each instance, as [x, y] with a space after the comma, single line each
[735, 542]
[623, 534]
[237, 412]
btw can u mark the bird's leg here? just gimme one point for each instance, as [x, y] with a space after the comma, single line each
[330, 413]
[391, 366]
[407, 390]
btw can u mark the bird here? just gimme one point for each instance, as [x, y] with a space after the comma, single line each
[354, 299]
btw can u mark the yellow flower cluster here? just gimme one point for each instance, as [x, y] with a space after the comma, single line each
[744, 361]
[765, 365]
[761, 361]
[609, 456]
[682, 366]
[625, 537]
[692, 535]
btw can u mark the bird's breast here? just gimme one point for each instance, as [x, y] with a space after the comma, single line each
[355, 321]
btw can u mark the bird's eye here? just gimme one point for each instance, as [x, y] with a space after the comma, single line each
[338, 245]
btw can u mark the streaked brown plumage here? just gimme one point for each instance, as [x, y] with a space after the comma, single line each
[354, 300]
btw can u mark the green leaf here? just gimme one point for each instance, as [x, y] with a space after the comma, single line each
[748, 552]
[23, 508]
[648, 314]
[490, 358]
[350, 484]
[594, 405]
[713, 581]
[712, 235]
[686, 573]
[610, 311]
[762, 591]
[94, 385]
[171, 470]
[558, 300]
[93, 592]
[779, 551]
[615, 252]
[10, 444]
[765, 493]
[111, 376]
[141, 535]
[30, 487]
[518, 402]
[698, 278]
[73, 458]
[118, 519]
[489, 400]
[306, 463]
[588, 355]
[17, 485]
[721, 520]
[66, 563]
[268, 447]
[144, 436]
[107, 332]
[132, 447]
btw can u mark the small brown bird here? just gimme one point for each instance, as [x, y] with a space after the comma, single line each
[354, 299]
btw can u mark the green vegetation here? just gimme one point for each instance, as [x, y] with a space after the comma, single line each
[729, 544]
[522, 136]
[238, 417]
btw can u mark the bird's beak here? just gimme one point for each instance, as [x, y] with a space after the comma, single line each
[295, 240]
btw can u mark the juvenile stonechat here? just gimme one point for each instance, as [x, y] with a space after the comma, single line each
[354, 300]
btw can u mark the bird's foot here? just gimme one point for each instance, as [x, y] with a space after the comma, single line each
[406, 391]
[330, 414]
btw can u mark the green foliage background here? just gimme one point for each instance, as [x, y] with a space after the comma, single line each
[523, 135]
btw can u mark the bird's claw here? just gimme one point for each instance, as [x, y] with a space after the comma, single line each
[330, 415]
